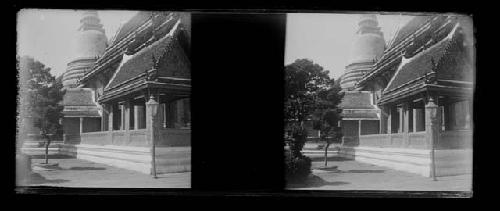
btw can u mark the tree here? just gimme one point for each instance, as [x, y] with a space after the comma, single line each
[41, 95]
[329, 115]
[330, 131]
[308, 89]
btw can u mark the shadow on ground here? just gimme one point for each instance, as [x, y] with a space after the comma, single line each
[79, 168]
[364, 171]
[314, 182]
[53, 156]
[335, 170]
[36, 178]
[334, 159]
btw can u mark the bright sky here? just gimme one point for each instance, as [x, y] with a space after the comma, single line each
[47, 35]
[327, 38]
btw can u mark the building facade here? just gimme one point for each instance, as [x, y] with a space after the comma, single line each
[360, 114]
[422, 89]
[138, 91]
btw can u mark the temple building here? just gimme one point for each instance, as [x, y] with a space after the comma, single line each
[360, 114]
[81, 112]
[131, 101]
[421, 87]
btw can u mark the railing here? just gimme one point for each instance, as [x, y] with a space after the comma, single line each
[396, 140]
[71, 138]
[417, 139]
[168, 137]
[456, 139]
[95, 138]
[175, 137]
[374, 140]
[138, 137]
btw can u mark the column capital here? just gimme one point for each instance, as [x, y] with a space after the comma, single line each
[151, 100]
[431, 101]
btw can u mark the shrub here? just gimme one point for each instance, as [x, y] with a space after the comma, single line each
[297, 168]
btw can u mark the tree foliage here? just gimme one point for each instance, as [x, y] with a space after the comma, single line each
[40, 95]
[309, 93]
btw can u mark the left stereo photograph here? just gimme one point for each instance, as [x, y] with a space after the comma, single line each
[103, 99]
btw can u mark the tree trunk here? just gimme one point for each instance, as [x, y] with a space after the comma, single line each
[326, 153]
[47, 143]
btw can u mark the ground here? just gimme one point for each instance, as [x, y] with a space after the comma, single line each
[353, 175]
[72, 172]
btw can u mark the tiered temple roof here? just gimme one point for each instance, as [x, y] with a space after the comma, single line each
[79, 102]
[401, 40]
[443, 63]
[156, 57]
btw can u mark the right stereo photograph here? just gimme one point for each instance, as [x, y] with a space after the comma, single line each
[379, 101]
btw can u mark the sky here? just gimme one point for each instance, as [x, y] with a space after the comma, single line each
[47, 35]
[326, 39]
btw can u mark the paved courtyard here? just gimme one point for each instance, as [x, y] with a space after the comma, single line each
[353, 175]
[73, 172]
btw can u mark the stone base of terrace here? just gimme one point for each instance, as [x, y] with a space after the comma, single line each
[410, 152]
[129, 150]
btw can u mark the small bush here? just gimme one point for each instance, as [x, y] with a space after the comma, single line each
[297, 168]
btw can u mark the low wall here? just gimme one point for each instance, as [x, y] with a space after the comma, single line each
[95, 138]
[396, 140]
[137, 138]
[417, 140]
[409, 160]
[175, 137]
[453, 162]
[130, 149]
[350, 141]
[132, 158]
[457, 139]
[448, 162]
[168, 159]
[71, 138]
[173, 159]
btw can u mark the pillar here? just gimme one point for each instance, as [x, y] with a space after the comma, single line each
[383, 120]
[389, 121]
[103, 119]
[81, 125]
[122, 117]
[406, 125]
[138, 116]
[432, 126]
[126, 116]
[151, 117]
[415, 122]
[401, 120]
[110, 117]
[359, 128]
[432, 123]
[152, 127]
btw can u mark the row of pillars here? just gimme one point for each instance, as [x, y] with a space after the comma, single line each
[125, 112]
[153, 116]
[405, 119]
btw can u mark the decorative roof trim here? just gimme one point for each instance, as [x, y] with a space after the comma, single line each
[142, 51]
[116, 49]
[391, 52]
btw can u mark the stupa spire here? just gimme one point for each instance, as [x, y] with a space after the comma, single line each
[90, 42]
[367, 48]
[90, 21]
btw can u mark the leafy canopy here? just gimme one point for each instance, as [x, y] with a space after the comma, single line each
[40, 95]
